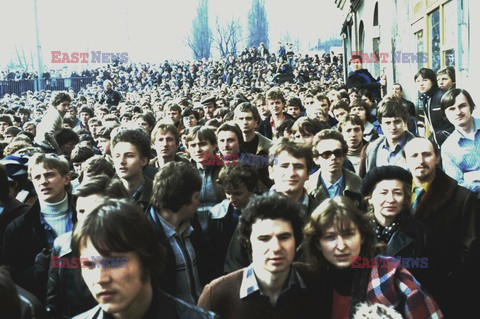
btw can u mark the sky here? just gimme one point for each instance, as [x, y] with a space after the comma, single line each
[146, 30]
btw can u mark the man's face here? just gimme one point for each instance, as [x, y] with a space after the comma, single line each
[190, 121]
[198, 148]
[331, 156]
[24, 117]
[245, 121]
[228, 143]
[94, 128]
[67, 148]
[103, 145]
[238, 196]
[118, 290]
[424, 85]
[49, 183]
[128, 161]
[294, 111]
[397, 90]
[323, 104]
[289, 173]
[3, 127]
[165, 145]
[356, 64]
[340, 114]
[85, 205]
[393, 128]
[174, 116]
[73, 112]
[444, 82]
[305, 139]
[459, 114]
[421, 159]
[360, 112]
[141, 122]
[263, 109]
[275, 106]
[352, 133]
[340, 247]
[108, 86]
[63, 107]
[29, 128]
[209, 109]
[309, 101]
[273, 246]
[84, 117]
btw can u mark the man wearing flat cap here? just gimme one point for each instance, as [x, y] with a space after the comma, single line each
[209, 106]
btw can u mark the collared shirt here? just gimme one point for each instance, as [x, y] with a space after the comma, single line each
[461, 154]
[335, 189]
[387, 155]
[250, 285]
[188, 286]
[303, 202]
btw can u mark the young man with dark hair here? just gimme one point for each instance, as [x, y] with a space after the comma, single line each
[360, 78]
[271, 228]
[166, 139]
[388, 149]
[276, 105]
[304, 130]
[67, 139]
[29, 238]
[247, 117]
[239, 183]
[352, 130]
[332, 178]
[175, 198]
[461, 150]
[121, 261]
[230, 142]
[130, 153]
[52, 123]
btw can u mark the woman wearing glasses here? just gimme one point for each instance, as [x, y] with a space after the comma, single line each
[339, 243]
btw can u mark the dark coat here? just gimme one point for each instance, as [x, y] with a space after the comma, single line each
[12, 209]
[362, 79]
[451, 215]
[24, 239]
[265, 127]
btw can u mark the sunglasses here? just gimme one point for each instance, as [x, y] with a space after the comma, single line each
[327, 154]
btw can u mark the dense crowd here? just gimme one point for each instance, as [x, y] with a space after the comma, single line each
[257, 186]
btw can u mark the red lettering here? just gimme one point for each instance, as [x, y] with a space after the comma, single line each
[384, 56]
[366, 58]
[55, 262]
[356, 262]
[374, 263]
[374, 57]
[55, 58]
[74, 262]
[84, 56]
[65, 263]
[365, 263]
[65, 58]
[82, 262]
[207, 159]
[75, 57]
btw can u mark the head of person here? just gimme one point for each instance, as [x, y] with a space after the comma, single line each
[294, 106]
[270, 229]
[239, 183]
[94, 125]
[275, 101]
[352, 130]
[337, 233]
[67, 139]
[356, 62]
[177, 187]
[304, 130]
[103, 140]
[147, 121]
[24, 114]
[209, 106]
[166, 139]
[131, 149]
[94, 166]
[200, 141]
[340, 110]
[426, 80]
[261, 103]
[247, 117]
[230, 139]
[5, 122]
[397, 90]
[446, 78]
[285, 129]
[392, 116]
[85, 114]
[190, 118]
[388, 190]
[322, 102]
[80, 154]
[107, 85]
[330, 151]
[367, 96]
[28, 127]
[422, 157]
[289, 166]
[120, 257]
[61, 101]
[89, 195]
[50, 175]
[457, 105]
[173, 112]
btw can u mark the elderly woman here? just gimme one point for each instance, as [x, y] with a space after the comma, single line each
[388, 191]
[339, 243]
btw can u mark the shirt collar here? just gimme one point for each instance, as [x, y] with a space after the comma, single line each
[250, 284]
[398, 147]
[170, 231]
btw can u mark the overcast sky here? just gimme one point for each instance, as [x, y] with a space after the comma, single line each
[147, 30]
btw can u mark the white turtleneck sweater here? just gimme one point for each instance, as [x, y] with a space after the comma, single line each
[56, 214]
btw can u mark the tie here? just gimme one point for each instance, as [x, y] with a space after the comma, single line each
[419, 194]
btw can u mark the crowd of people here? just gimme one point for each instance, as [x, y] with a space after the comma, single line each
[257, 186]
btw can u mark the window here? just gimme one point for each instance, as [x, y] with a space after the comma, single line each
[420, 48]
[434, 39]
[449, 33]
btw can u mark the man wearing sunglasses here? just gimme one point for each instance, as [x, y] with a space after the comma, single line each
[332, 179]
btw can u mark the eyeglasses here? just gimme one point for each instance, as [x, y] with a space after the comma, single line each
[327, 154]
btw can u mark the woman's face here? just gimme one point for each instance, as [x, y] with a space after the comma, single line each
[388, 199]
[340, 248]
[444, 82]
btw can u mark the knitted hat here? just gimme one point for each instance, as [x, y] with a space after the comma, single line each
[382, 173]
[16, 166]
